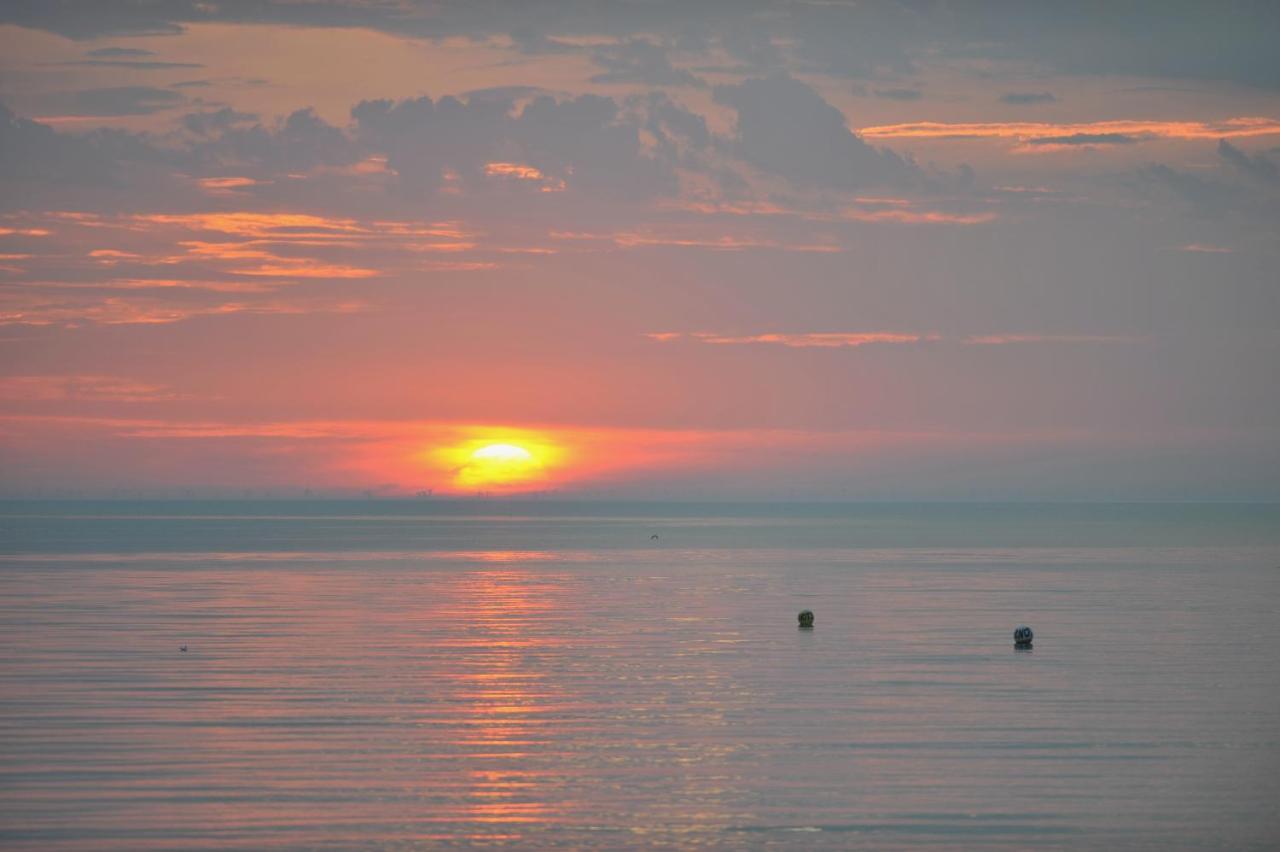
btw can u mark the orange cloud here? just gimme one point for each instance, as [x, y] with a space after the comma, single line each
[279, 225]
[159, 284]
[226, 185]
[1021, 130]
[440, 247]
[520, 171]
[459, 265]
[305, 268]
[40, 310]
[515, 170]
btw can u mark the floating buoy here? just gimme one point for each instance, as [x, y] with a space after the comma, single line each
[1022, 636]
[806, 618]
[653, 537]
[183, 649]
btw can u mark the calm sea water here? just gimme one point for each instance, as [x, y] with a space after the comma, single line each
[420, 674]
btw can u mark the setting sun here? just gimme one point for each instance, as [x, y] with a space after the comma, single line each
[506, 453]
[499, 466]
[513, 460]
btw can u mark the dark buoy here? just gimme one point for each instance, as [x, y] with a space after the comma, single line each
[806, 618]
[652, 537]
[1022, 636]
[183, 649]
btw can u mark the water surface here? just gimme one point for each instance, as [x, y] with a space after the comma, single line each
[401, 674]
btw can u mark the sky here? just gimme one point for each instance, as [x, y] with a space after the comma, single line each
[750, 250]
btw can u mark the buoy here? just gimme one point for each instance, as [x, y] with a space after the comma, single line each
[1022, 636]
[652, 537]
[183, 649]
[806, 618]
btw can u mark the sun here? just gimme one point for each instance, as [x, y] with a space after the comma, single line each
[498, 460]
[499, 466]
[508, 453]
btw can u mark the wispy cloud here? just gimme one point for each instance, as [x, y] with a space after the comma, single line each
[1204, 248]
[1007, 339]
[1046, 144]
[675, 239]
[85, 388]
[1022, 131]
[804, 340]
[1025, 98]
[903, 211]
[855, 339]
[44, 310]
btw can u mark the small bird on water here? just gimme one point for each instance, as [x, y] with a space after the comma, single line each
[183, 649]
[652, 537]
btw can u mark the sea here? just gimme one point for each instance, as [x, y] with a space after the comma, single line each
[538, 673]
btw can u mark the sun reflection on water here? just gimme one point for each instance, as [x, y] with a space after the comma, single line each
[506, 698]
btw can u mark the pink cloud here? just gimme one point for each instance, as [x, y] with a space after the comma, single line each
[1202, 248]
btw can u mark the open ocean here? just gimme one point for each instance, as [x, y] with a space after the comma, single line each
[404, 674]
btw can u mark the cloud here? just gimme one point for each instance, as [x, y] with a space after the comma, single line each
[35, 309]
[82, 388]
[298, 143]
[158, 268]
[1259, 167]
[784, 127]
[1243, 186]
[1025, 98]
[38, 157]
[113, 101]
[882, 209]
[853, 40]
[587, 144]
[1203, 248]
[819, 340]
[855, 339]
[1241, 127]
[117, 52]
[640, 61]
[521, 172]
[649, 239]
[1007, 339]
[899, 94]
[133, 64]
[1077, 141]
[216, 121]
